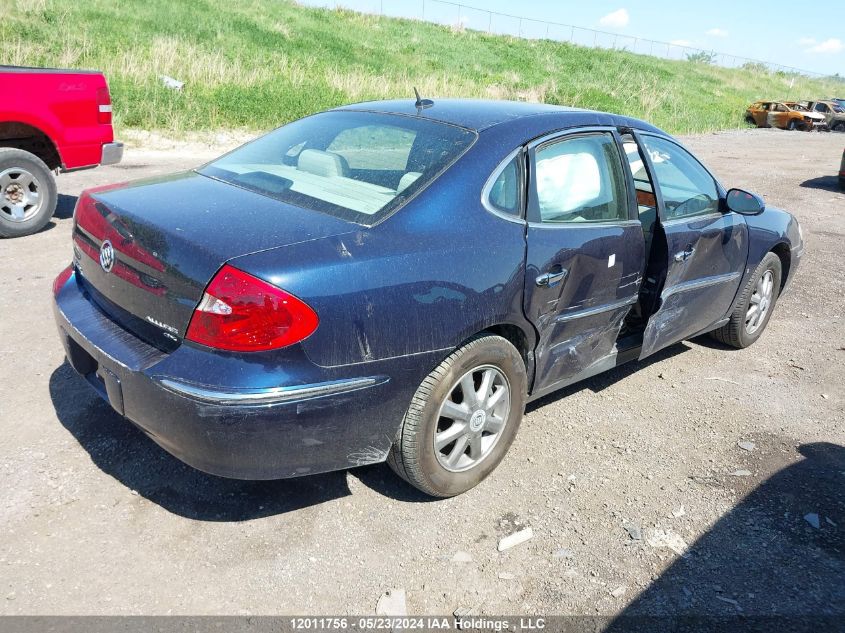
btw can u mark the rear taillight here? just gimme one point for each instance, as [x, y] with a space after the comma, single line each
[241, 313]
[103, 105]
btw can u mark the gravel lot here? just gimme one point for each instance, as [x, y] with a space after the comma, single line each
[638, 493]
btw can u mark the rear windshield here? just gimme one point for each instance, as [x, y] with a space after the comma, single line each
[358, 166]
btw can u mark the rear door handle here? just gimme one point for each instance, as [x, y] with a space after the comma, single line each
[552, 279]
[685, 254]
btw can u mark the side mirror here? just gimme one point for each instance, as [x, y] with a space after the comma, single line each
[744, 202]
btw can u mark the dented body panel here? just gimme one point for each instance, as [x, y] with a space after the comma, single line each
[699, 288]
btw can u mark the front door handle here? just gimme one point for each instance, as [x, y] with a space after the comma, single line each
[550, 280]
[685, 254]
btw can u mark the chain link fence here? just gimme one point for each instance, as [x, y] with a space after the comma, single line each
[463, 16]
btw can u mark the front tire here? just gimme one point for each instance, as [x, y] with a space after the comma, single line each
[27, 193]
[462, 419]
[754, 307]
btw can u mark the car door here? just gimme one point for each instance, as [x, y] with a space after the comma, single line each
[584, 253]
[706, 245]
[759, 113]
[778, 115]
[823, 109]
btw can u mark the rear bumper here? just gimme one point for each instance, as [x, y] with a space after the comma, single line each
[111, 153]
[320, 421]
[105, 154]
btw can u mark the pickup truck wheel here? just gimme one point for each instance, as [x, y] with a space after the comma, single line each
[27, 193]
[839, 127]
[462, 419]
[754, 307]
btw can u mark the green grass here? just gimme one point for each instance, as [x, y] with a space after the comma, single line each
[256, 64]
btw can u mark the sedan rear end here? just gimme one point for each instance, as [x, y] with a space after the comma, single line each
[181, 306]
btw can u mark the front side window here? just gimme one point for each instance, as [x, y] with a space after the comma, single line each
[359, 166]
[580, 179]
[686, 186]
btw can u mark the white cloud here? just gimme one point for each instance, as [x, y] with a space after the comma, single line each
[717, 33]
[681, 43]
[830, 45]
[807, 41]
[617, 19]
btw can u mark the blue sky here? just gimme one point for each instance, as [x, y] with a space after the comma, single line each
[774, 31]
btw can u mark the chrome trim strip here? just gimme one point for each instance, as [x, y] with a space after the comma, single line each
[598, 224]
[271, 395]
[587, 312]
[689, 219]
[569, 131]
[695, 284]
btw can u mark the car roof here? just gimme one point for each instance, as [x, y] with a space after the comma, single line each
[481, 114]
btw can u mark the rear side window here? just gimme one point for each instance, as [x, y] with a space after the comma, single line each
[359, 166]
[505, 192]
[580, 179]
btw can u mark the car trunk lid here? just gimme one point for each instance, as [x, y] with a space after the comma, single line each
[146, 251]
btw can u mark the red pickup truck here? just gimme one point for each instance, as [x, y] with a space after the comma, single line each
[51, 120]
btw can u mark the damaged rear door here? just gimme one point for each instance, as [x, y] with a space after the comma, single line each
[584, 254]
[706, 246]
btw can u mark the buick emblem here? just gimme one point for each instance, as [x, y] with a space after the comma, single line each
[107, 256]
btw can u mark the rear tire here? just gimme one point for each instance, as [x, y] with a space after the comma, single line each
[27, 193]
[792, 125]
[838, 127]
[742, 330]
[425, 453]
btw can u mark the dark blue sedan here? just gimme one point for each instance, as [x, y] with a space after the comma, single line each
[395, 280]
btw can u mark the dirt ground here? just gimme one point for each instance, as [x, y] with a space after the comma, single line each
[640, 498]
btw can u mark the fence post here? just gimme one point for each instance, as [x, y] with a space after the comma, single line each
[489, 22]
[520, 27]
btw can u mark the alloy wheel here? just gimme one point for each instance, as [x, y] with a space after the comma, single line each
[472, 418]
[760, 302]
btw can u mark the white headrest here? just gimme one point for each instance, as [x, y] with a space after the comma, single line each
[321, 163]
[407, 180]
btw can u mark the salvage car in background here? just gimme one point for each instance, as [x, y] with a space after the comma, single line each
[786, 115]
[50, 120]
[395, 280]
[833, 113]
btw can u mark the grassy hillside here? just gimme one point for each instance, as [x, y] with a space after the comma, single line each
[258, 63]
